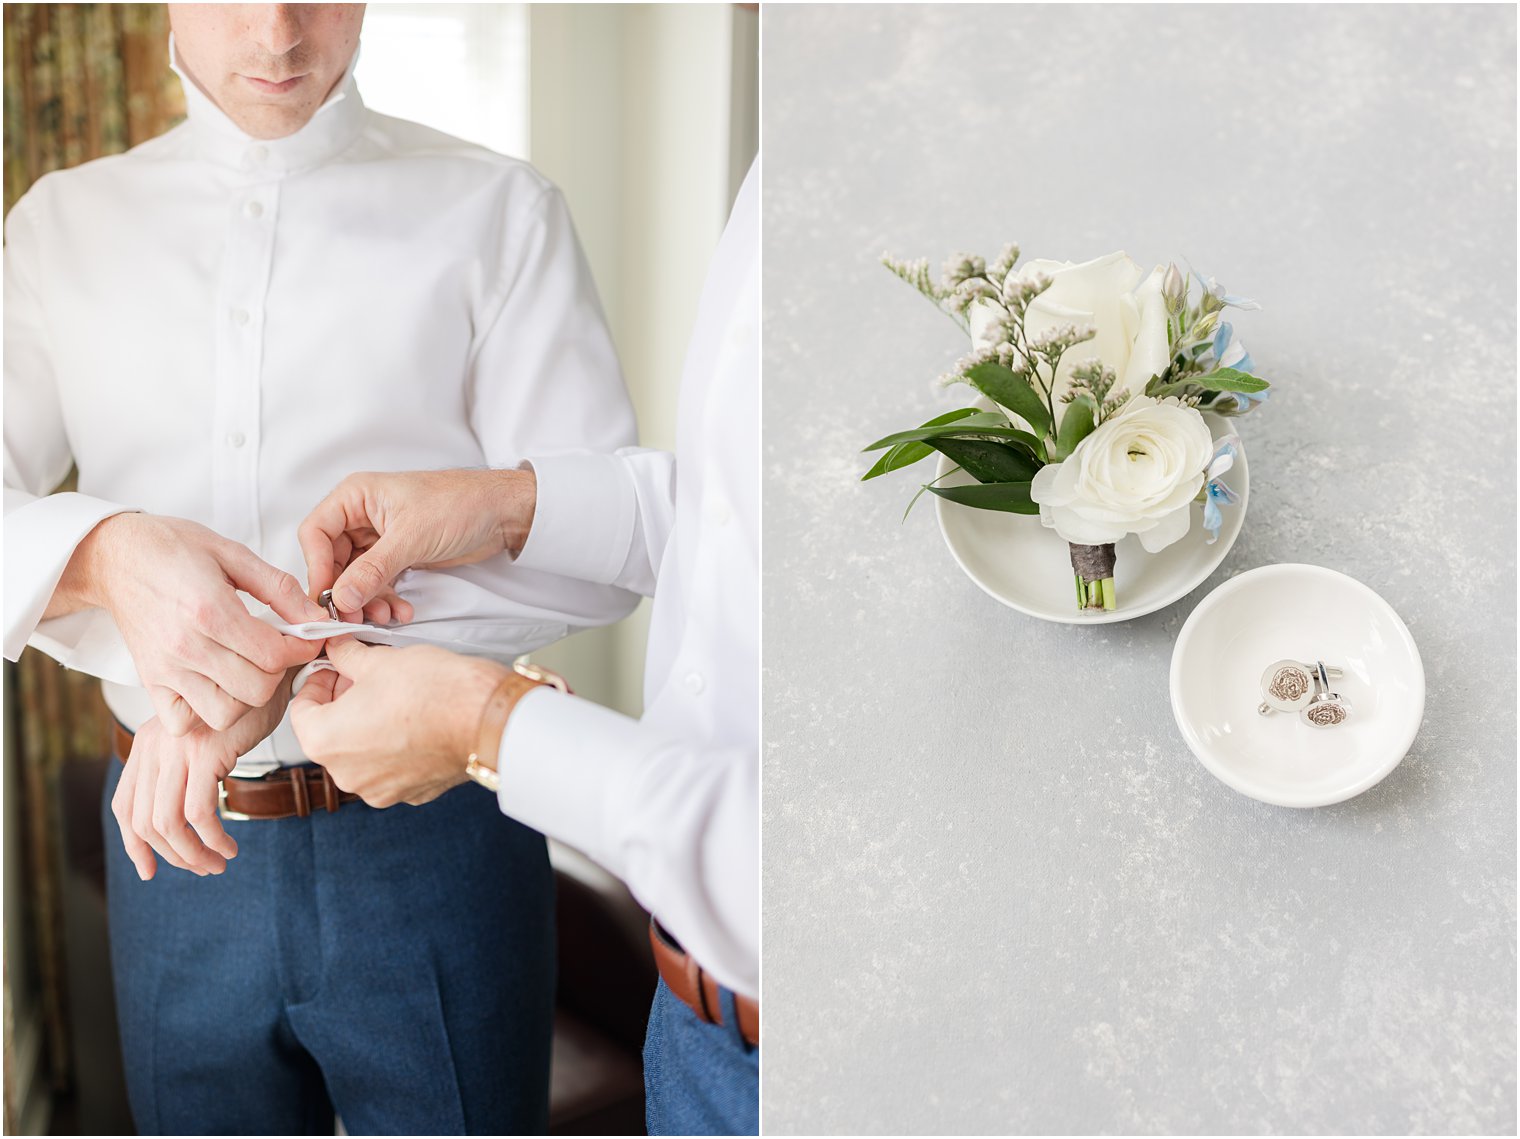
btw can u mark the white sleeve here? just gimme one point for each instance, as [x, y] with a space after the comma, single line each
[41, 528]
[603, 518]
[544, 380]
[679, 824]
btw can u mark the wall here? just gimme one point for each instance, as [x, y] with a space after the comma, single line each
[641, 115]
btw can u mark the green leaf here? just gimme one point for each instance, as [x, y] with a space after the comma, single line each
[1230, 380]
[999, 384]
[902, 455]
[967, 429]
[1010, 496]
[972, 416]
[907, 453]
[912, 502]
[988, 462]
[1076, 425]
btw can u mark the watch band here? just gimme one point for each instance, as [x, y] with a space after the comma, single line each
[481, 766]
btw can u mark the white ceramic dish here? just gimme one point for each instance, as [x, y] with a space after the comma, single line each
[1028, 567]
[1296, 612]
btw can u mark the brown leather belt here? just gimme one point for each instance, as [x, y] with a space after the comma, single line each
[696, 988]
[290, 792]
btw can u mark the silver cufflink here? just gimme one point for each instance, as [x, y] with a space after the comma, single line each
[326, 601]
[1293, 686]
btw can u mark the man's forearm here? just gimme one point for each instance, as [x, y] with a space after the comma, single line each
[255, 727]
[413, 520]
[517, 501]
[172, 587]
[82, 585]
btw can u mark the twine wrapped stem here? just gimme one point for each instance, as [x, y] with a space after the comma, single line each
[1094, 569]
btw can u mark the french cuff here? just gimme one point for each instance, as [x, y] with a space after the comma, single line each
[583, 519]
[40, 537]
[561, 763]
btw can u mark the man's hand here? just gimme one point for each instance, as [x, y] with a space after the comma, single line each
[172, 587]
[167, 798]
[395, 725]
[373, 527]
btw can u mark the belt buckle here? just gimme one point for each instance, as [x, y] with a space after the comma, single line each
[221, 805]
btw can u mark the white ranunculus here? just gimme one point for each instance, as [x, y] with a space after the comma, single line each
[1113, 294]
[1137, 473]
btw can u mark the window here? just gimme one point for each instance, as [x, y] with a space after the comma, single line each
[459, 68]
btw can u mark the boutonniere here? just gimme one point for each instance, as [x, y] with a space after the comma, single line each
[1098, 376]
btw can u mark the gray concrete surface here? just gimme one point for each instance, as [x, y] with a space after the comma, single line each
[1000, 893]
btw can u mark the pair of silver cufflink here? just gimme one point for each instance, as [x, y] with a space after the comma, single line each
[1292, 686]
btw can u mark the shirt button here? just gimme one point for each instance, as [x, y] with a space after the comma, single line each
[718, 512]
[254, 209]
[240, 316]
[257, 154]
[695, 683]
[236, 439]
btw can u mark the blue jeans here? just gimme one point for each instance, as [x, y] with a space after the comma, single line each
[396, 966]
[699, 1078]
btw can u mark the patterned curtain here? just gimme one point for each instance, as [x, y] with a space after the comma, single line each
[81, 81]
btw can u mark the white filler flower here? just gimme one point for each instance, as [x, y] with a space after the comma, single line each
[1113, 294]
[1137, 473]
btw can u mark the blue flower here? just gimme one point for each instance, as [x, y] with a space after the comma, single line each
[1245, 401]
[1216, 491]
[1216, 290]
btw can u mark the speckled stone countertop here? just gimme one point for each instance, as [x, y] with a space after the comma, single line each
[1000, 893]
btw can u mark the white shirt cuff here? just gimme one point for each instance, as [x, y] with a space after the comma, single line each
[583, 519]
[675, 821]
[40, 538]
[560, 762]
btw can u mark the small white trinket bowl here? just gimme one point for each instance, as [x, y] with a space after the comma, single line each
[1303, 613]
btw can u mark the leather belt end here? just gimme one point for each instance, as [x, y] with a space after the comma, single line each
[696, 988]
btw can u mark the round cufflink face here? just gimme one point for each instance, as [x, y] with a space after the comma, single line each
[1286, 686]
[1327, 711]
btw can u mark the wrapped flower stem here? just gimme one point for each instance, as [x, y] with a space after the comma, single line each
[1094, 567]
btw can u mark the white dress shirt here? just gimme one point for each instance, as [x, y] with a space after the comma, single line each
[669, 803]
[220, 329]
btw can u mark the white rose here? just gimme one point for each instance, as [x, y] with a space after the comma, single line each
[1137, 473]
[1114, 295]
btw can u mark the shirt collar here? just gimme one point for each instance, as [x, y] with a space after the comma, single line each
[329, 132]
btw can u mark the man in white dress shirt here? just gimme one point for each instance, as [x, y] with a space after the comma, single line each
[668, 802]
[216, 328]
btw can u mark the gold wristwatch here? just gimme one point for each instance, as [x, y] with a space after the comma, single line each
[481, 765]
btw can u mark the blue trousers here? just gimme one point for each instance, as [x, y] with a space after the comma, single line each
[394, 966]
[699, 1078]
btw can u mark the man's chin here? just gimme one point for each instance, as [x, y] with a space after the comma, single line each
[265, 121]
